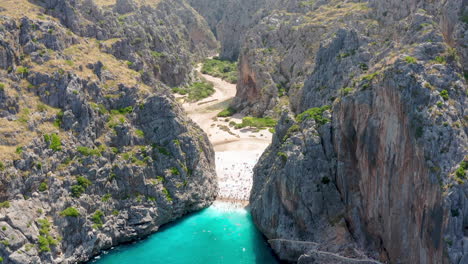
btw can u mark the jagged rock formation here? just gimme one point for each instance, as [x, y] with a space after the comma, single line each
[369, 159]
[278, 43]
[94, 151]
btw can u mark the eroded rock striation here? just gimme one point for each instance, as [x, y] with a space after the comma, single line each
[94, 150]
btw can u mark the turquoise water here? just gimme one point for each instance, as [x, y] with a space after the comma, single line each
[218, 234]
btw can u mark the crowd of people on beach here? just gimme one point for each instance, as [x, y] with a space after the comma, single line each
[235, 171]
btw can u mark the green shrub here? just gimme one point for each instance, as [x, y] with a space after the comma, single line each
[227, 112]
[223, 69]
[83, 181]
[77, 190]
[2, 166]
[2, 87]
[43, 187]
[97, 219]
[316, 113]
[85, 151]
[58, 119]
[106, 197]
[293, 129]
[140, 133]
[54, 141]
[167, 194]
[370, 77]
[181, 91]
[22, 70]
[440, 60]
[162, 150]
[19, 150]
[45, 240]
[174, 171]
[70, 212]
[43, 244]
[347, 90]
[460, 172]
[411, 60]
[257, 122]
[283, 156]
[123, 111]
[5, 204]
[444, 94]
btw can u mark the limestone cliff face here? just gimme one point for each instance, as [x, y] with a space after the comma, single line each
[285, 44]
[371, 161]
[94, 150]
[142, 33]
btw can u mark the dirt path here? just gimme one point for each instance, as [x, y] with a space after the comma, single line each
[237, 150]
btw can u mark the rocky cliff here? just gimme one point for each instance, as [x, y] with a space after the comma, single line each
[94, 150]
[279, 47]
[369, 158]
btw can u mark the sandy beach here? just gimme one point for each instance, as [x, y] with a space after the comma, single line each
[237, 150]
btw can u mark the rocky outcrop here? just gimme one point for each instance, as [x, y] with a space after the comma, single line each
[143, 34]
[370, 164]
[92, 152]
[285, 46]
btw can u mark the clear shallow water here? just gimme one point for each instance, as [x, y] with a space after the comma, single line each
[218, 234]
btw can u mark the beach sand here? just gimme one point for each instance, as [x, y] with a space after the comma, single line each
[237, 150]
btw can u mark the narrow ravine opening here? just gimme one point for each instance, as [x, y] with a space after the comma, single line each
[237, 150]
[224, 232]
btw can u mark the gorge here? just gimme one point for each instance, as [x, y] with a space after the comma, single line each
[341, 125]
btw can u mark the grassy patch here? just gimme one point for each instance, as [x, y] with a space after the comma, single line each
[196, 91]
[223, 69]
[258, 122]
[5, 204]
[316, 113]
[227, 112]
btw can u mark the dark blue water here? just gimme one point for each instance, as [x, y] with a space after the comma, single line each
[219, 234]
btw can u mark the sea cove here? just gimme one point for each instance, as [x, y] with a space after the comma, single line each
[221, 233]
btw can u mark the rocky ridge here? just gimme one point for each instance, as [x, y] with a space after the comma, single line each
[94, 149]
[369, 156]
